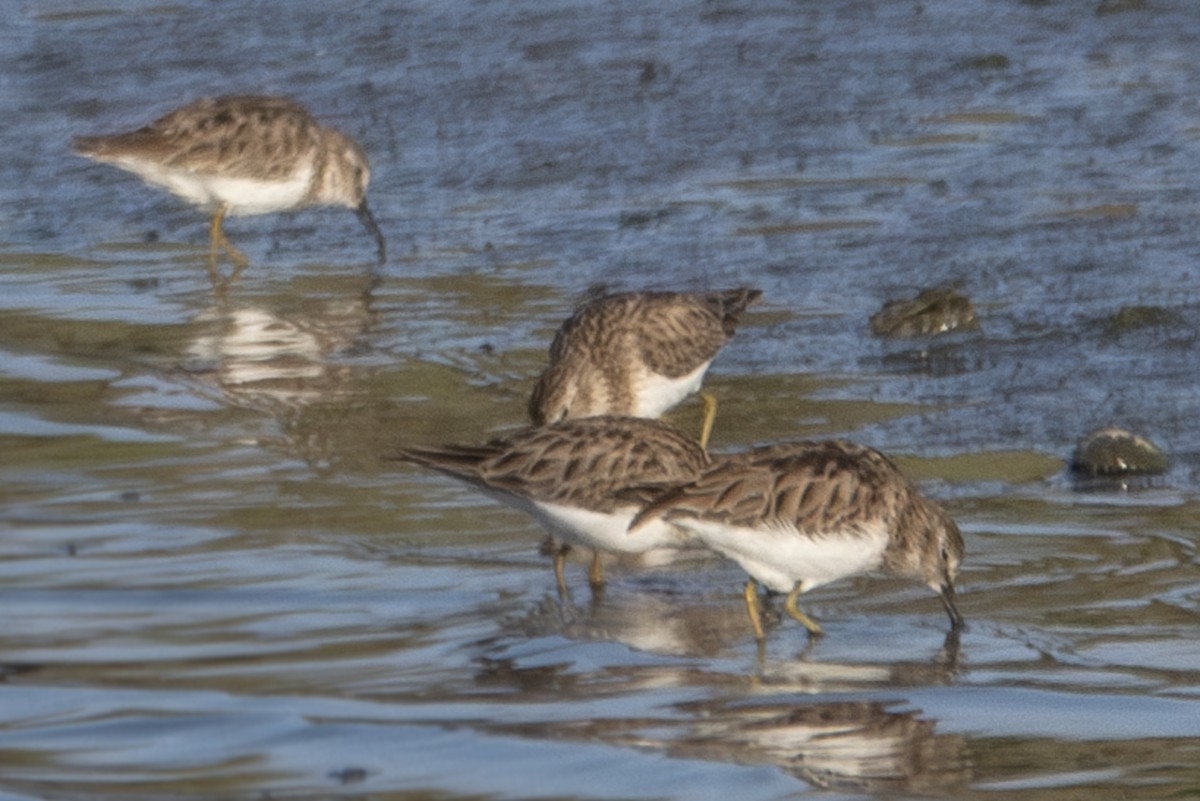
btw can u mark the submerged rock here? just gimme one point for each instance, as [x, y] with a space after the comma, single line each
[1128, 319]
[1117, 453]
[1119, 6]
[934, 311]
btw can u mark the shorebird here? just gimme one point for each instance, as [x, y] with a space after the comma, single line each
[799, 515]
[583, 480]
[243, 155]
[637, 354]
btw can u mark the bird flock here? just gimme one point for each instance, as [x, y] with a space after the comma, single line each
[596, 467]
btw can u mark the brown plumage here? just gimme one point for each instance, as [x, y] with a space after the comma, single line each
[635, 353]
[583, 480]
[799, 515]
[243, 154]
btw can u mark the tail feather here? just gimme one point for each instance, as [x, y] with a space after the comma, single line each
[459, 461]
[732, 303]
[109, 148]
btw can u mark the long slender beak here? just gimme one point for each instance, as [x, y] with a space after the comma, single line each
[949, 600]
[372, 227]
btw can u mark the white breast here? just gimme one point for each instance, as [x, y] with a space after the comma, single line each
[655, 393]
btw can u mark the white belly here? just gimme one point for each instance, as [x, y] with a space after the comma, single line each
[605, 531]
[779, 558]
[242, 195]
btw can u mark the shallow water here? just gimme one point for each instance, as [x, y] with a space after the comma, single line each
[215, 584]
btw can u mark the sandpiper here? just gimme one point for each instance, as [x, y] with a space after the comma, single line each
[242, 155]
[637, 354]
[799, 515]
[582, 479]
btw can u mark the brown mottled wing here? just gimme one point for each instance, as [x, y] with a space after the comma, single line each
[590, 462]
[243, 135]
[815, 486]
[675, 332]
[679, 332]
[593, 324]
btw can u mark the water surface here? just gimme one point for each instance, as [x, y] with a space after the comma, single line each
[216, 585]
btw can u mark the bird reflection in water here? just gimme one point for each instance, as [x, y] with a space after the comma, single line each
[646, 621]
[283, 361]
[854, 745]
[846, 744]
[665, 615]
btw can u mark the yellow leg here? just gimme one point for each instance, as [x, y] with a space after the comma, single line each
[560, 559]
[215, 235]
[217, 239]
[596, 571]
[814, 629]
[753, 609]
[710, 414]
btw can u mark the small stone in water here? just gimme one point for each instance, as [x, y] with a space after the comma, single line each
[1117, 452]
[934, 311]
